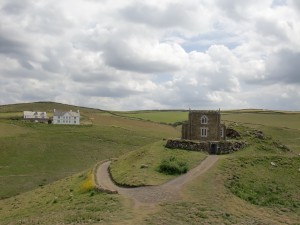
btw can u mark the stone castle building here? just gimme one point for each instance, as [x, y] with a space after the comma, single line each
[204, 125]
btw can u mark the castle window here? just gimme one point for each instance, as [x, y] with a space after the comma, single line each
[204, 120]
[222, 131]
[203, 131]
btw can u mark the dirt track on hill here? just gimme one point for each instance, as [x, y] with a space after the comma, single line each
[150, 195]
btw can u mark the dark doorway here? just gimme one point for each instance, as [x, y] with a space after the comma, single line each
[213, 148]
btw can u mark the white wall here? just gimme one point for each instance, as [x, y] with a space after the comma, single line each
[66, 119]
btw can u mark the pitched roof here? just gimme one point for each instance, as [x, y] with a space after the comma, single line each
[63, 113]
[35, 114]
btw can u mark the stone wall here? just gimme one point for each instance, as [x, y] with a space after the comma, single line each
[188, 145]
[224, 147]
[227, 147]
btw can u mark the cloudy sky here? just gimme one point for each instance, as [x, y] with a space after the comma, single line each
[158, 54]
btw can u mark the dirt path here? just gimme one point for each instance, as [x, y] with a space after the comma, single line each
[149, 195]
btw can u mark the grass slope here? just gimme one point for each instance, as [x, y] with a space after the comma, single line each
[140, 167]
[33, 154]
[244, 188]
[278, 184]
[64, 202]
[207, 200]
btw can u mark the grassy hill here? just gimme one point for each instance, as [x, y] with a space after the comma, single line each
[43, 106]
[43, 167]
[33, 154]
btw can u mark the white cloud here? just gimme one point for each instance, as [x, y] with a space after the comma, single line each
[159, 54]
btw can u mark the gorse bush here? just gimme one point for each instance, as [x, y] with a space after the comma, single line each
[87, 184]
[172, 166]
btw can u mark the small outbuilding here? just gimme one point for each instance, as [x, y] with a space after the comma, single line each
[35, 116]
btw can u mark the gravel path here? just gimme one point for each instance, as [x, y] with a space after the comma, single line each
[150, 195]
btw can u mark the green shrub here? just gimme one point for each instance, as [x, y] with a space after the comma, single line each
[172, 166]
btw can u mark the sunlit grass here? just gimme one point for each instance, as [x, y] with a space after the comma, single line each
[141, 167]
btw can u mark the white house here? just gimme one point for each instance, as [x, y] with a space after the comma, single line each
[70, 117]
[35, 116]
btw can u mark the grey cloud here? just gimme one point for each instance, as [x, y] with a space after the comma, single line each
[94, 39]
[172, 16]
[107, 90]
[240, 10]
[49, 21]
[26, 64]
[15, 6]
[24, 91]
[39, 18]
[119, 55]
[233, 8]
[11, 47]
[23, 73]
[182, 94]
[53, 63]
[281, 97]
[17, 50]
[88, 76]
[284, 67]
[296, 3]
[270, 28]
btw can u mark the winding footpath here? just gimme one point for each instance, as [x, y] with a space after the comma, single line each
[150, 195]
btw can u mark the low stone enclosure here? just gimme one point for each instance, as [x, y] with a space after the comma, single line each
[214, 147]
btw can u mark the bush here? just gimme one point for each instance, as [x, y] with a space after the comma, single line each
[87, 184]
[172, 166]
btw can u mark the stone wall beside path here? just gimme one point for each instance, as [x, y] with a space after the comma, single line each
[224, 147]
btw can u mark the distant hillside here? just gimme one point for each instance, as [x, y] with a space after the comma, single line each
[43, 106]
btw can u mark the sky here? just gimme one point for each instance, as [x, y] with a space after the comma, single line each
[158, 54]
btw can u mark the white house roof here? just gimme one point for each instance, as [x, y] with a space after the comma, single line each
[34, 114]
[65, 113]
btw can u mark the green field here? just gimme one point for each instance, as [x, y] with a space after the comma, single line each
[43, 168]
[168, 117]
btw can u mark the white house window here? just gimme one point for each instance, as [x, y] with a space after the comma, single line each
[203, 131]
[204, 120]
